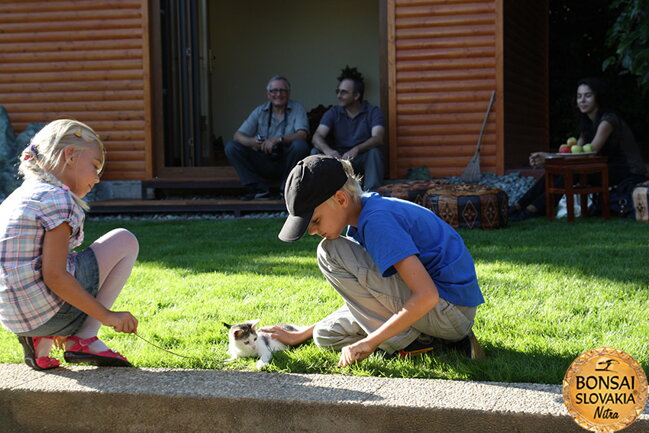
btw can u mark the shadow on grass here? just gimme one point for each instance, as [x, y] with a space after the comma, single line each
[613, 249]
[501, 365]
[228, 246]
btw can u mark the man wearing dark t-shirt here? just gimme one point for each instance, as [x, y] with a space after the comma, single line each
[357, 128]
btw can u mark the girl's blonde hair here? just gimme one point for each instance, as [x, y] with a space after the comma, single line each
[353, 186]
[41, 157]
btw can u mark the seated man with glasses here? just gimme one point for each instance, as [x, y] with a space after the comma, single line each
[357, 128]
[270, 141]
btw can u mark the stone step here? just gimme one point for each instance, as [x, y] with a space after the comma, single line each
[128, 400]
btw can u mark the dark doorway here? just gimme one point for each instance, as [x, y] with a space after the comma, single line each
[186, 72]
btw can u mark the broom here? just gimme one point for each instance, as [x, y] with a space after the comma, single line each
[471, 173]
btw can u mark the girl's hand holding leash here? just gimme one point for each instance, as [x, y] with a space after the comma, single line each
[121, 321]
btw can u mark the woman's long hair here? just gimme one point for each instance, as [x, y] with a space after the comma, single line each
[588, 127]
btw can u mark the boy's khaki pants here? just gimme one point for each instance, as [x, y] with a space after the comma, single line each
[371, 299]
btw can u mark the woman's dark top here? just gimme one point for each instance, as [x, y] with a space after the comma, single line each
[621, 148]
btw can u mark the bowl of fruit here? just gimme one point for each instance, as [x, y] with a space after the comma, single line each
[571, 148]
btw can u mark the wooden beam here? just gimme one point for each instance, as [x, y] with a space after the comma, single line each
[499, 104]
[392, 88]
[148, 102]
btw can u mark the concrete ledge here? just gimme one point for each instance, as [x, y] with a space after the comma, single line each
[87, 399]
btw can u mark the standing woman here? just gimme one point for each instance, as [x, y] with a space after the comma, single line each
[609, 136]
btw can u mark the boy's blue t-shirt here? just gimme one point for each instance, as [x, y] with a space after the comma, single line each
[392, 229]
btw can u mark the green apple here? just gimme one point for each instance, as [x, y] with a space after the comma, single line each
[571, 141]
[588, 148]
[576, 149]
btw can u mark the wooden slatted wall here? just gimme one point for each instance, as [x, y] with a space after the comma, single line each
[442, 57]
[81, 59]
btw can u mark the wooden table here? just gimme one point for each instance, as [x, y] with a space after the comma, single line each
[574, 168]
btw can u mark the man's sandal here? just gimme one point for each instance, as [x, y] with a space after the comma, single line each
[80, 353]
[29, 345]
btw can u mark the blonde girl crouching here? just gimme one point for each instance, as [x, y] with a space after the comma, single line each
[46, 289]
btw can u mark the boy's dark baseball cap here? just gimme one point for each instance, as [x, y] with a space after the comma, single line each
[312, 181]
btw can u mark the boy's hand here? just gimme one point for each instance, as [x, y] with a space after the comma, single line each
[355, 352]
[282, 335]
[121, 321]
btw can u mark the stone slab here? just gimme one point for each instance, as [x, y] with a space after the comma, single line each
[88, 399]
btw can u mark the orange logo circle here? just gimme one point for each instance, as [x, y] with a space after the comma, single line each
[605, 390]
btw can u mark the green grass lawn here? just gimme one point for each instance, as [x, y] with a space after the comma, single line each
[553, 290]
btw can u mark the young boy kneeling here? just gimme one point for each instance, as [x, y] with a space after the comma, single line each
[408, 282]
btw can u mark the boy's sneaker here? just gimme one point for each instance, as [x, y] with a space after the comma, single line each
[470, 346]
[424, 343]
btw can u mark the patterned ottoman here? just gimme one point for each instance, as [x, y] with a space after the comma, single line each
[414, 190]
[469, 205]
[460, 205]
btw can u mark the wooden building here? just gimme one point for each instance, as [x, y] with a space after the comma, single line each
[147, 75]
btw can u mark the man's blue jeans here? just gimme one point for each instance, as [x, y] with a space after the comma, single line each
[370, 165]
[254, 166]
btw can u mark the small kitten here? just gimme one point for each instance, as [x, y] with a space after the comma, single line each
[246, 342]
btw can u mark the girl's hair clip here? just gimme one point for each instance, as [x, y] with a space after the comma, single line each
[29, 151]
[78, 131]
